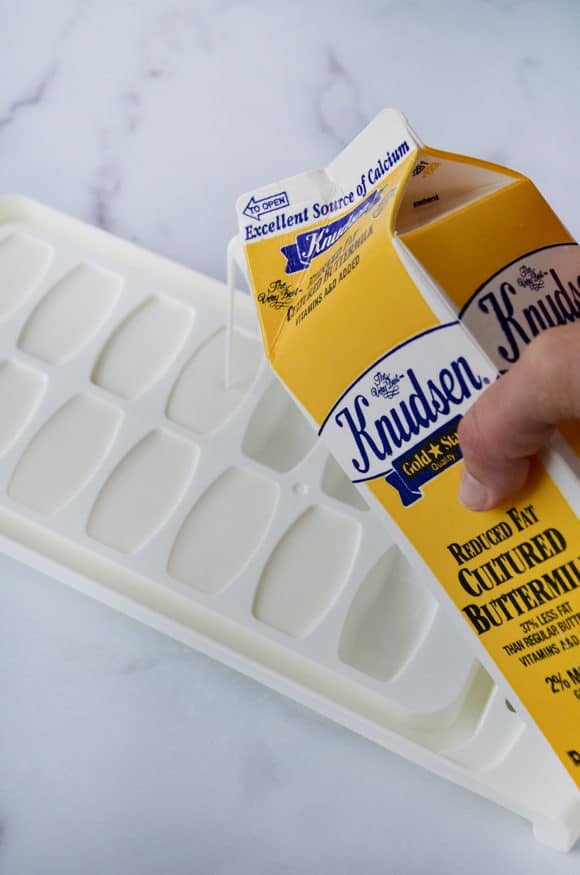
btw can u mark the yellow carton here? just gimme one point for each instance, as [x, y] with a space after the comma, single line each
[391, 289]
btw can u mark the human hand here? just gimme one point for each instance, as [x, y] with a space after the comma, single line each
[516, 416]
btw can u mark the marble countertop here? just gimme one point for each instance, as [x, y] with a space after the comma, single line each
[120, 750]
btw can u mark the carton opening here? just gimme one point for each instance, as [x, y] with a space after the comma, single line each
[438, 185]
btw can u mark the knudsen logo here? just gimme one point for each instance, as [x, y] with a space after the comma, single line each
[537, 291]
[316, 242]
[399, 419]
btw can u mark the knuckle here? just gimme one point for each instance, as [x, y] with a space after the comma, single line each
[550, 363]
[467, 432]
[474, 434]
[544, 358]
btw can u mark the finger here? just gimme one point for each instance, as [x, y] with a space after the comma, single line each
[515, 417]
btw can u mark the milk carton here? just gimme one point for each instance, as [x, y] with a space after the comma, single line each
[392, 288]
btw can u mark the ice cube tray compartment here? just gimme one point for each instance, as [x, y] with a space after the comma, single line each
[142, 347]
[307, 571]
[143, 491]
[21, 390]
[24, 261]
[278, 434]
[70, 313]
[223, 508]
[200, 400]
[64, 454]
[130, 470]
[389, 617]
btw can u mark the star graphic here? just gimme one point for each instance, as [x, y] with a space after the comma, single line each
[434, 450]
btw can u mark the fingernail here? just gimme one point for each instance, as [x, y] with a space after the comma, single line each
[472, 494]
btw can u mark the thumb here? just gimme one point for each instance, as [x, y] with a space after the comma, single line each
[515, 417]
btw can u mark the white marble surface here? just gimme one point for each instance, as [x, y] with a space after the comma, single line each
[121, 751]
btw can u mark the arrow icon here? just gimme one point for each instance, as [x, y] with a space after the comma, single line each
[255, 208]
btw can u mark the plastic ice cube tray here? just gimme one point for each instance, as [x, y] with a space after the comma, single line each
[130, 472]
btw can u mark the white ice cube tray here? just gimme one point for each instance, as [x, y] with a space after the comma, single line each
[128, 471]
